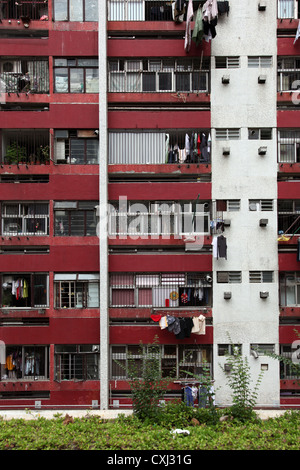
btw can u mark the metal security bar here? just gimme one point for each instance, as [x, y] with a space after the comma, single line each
[25, 146]
[159, 147]
[25, 363]
[77, 362]
[176, 361]
[24, 75]
[159, 75]
[160, 290]
[164, 218]
[288, 74]
[27, 218]
[24, 10]
[288, 146]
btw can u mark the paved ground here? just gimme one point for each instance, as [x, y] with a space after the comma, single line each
[104, 414]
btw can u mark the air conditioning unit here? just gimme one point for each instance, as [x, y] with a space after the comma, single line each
[226, 79]
[262, 150]
[264, 295]
[262, 6]
[263, 222]
[227, 295]
[226, 151]
[227, 367]
[10, 66]
[262, 79]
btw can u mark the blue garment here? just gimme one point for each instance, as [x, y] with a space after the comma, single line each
[188, 396]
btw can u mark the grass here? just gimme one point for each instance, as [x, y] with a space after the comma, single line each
[129, 433]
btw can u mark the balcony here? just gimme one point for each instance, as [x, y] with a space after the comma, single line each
[161, 290]
[289, 217]
[24, 290]
[144, 10]
[24, 10]
[24, 219]
[159, 147]
[159, 75]
[26, 146]
[26, 75]
[288, 146]
[25, 363]
[76, 147]
[288, 74]
[158, 219]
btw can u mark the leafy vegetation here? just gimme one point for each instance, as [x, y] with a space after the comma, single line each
[131, 433]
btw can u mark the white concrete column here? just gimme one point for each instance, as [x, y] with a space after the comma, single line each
[103, 203]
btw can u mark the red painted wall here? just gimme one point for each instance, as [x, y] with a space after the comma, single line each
[159, 119]
[160, 263]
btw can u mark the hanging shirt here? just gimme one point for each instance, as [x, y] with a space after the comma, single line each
[188, 32]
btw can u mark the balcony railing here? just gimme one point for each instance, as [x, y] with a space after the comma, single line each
[159, 75]
[288, 9]
[24, 10]
[159, 147]
[24, 76]
[144, 10]
[25, 146]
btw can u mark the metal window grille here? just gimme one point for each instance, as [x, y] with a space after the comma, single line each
[77, 362]
[30, 218]
[260, 61]
[230, 277]
[227, 134]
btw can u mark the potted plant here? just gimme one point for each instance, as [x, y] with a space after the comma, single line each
[15, 153]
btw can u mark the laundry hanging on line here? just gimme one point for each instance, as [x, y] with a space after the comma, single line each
[182, 327]
[219, 244]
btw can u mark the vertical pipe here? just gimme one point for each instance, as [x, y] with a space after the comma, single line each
[103, 203]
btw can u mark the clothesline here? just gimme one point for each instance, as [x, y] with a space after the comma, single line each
[182, 327]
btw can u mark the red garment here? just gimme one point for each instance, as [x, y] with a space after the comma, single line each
[156, 317]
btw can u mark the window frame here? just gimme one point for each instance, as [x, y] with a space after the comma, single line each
[24, 218]
[69, 213]
[80, 283]
[69, 68]
[33, 283]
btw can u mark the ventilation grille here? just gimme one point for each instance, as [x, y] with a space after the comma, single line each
[256, 61]
[227, 62]
[260, 276]
[227, 134]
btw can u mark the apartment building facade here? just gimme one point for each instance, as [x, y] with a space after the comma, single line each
[149, 179]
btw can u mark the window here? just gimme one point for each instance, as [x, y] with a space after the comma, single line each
[288, 370]
[288, 216]
[289, 288]
[227, 134]
[177, 361]
[140, 218]
[260, 134]
[24, 290]
[261, 276]
[160, 290]
[289, 146]
[75, 218]
[26, 362]
[262, 61]
[229, 349]
[76, 290]
[261, 204]
[27, 218]
[227, 62]
[230, 205]
[158, 75]
[230, 277]
[75, 10]
[76, 362]
[79, 147]
[78, 75]
[262, 349]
